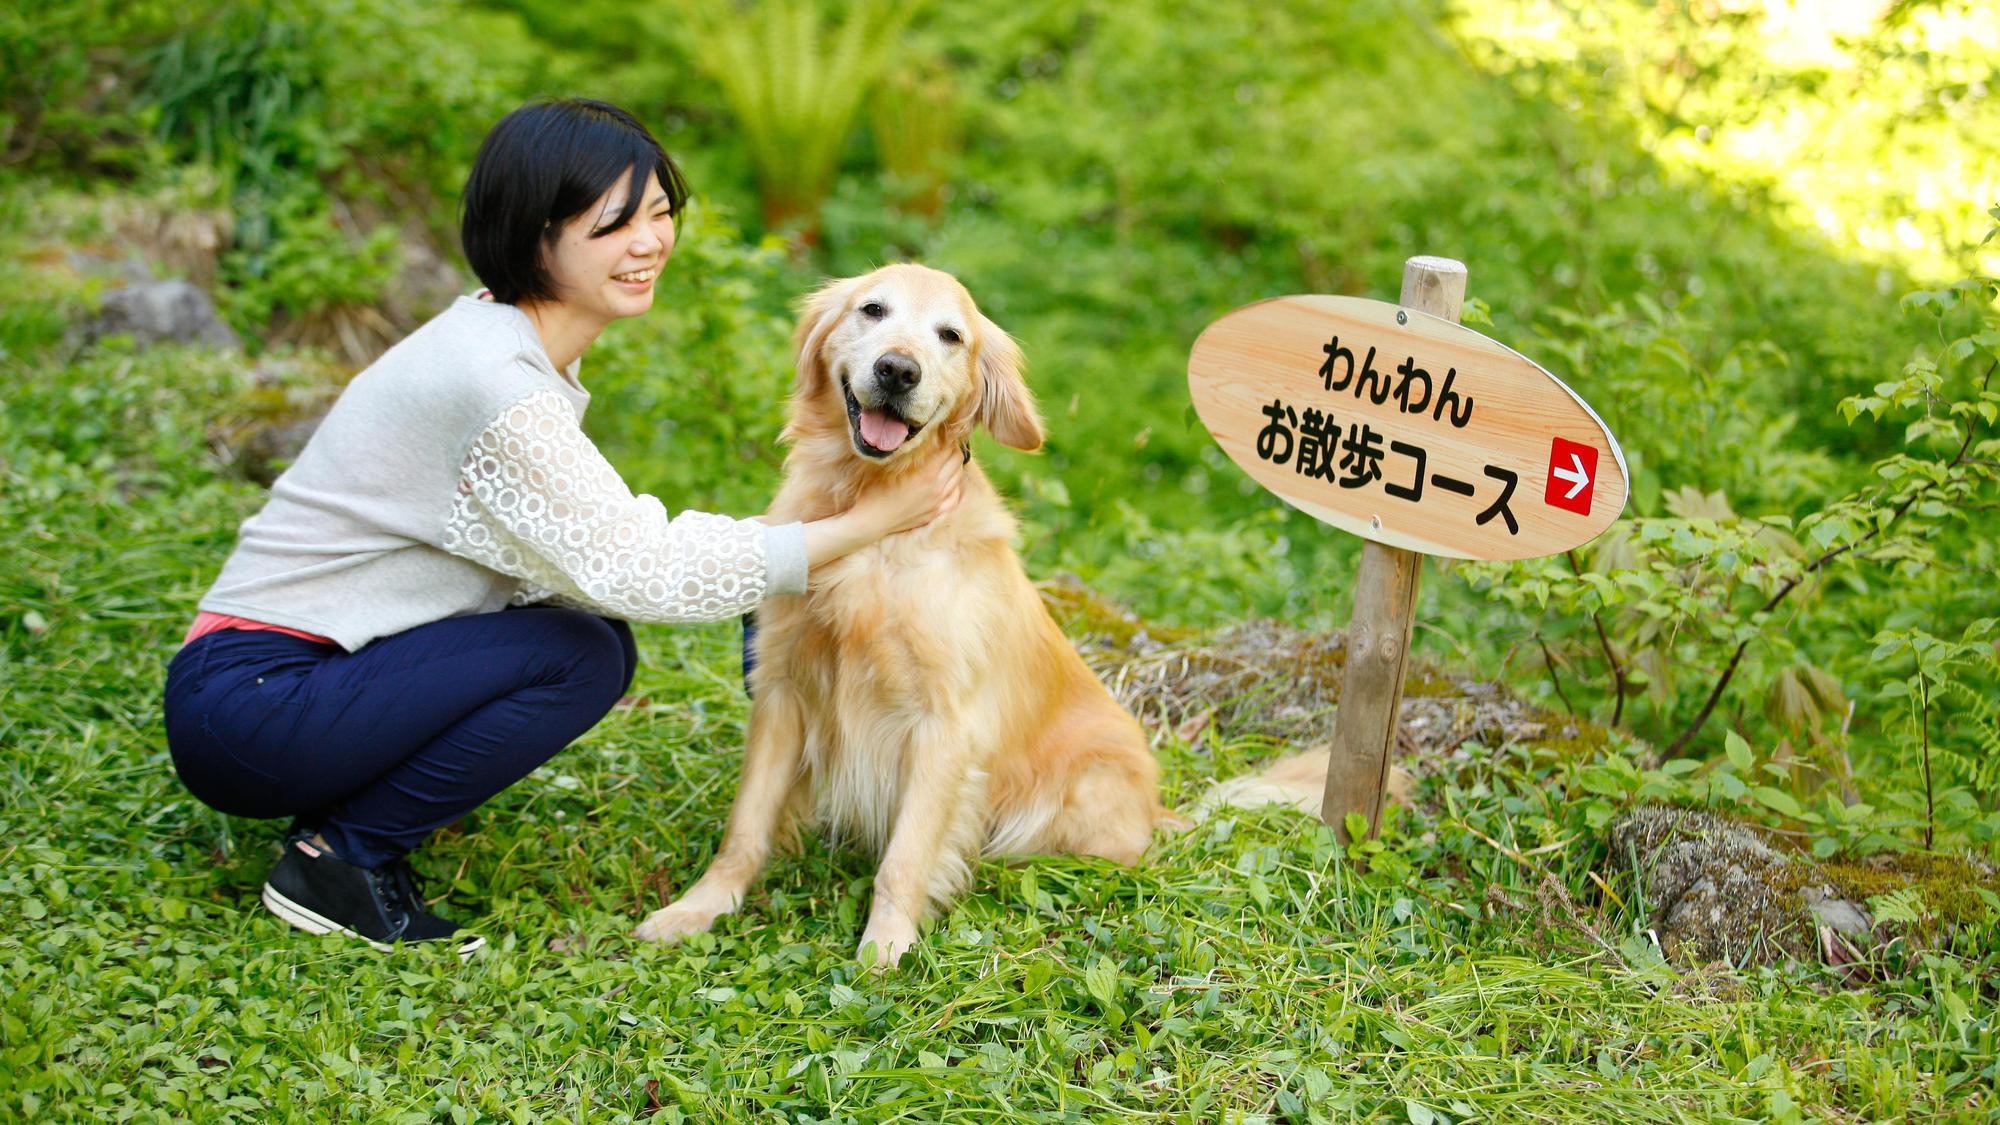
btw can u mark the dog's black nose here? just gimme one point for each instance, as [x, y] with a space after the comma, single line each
[896, 372]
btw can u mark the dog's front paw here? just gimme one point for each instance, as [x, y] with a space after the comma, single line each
[883, 945]
[673, 922]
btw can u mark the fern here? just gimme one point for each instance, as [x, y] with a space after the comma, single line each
[795, 78]
[1905, 906]
[1976, 761]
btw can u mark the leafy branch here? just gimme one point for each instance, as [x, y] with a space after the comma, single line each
[1617, 666]
[1959, 470]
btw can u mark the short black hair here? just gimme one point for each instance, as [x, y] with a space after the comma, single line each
[539, 167]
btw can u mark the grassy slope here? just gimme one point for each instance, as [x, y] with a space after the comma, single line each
[1248, 971]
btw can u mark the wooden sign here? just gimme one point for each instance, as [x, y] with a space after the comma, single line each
[1400, 425]
[1406, 428]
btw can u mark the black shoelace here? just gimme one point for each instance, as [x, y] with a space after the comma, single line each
[397, 887]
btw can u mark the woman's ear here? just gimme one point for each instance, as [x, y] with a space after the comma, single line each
[818, 314]
[1006, 408]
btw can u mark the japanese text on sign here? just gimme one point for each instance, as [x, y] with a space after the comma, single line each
[1309, 441]
[1373, 385]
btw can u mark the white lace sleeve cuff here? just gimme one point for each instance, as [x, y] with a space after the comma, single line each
[531, 594]
[537, 501]
[785, 560]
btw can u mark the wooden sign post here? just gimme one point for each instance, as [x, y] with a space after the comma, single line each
[1396, 423]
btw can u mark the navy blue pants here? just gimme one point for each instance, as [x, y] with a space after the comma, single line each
[381, 747]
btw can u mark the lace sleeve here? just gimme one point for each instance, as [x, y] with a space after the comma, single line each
[537, 501]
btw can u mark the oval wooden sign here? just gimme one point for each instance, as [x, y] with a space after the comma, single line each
[1405, 428]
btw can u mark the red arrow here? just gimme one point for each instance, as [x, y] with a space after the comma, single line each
[1573, 463]
[1576, 475]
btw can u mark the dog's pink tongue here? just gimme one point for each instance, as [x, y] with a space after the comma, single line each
[882, 431]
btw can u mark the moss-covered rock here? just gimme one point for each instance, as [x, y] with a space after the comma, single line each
[283, 400]
[1717, 891]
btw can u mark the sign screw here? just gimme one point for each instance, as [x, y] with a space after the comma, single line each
[1402, 317]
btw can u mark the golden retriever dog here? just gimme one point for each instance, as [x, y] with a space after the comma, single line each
[918, 699]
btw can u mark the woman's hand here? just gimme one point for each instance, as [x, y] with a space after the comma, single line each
[912, 501]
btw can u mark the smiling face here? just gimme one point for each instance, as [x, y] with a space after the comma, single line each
[602, 276]
[905, 360]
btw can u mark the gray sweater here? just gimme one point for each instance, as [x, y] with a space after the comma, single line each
[452, 477]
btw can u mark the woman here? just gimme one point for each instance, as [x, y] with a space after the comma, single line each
[384, 649]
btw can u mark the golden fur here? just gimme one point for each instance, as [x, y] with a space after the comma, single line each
[918, 700]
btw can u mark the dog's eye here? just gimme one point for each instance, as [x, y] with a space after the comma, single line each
[874, 310]
[949, 335]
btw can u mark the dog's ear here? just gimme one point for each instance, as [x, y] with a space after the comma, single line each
[1006, 408]
[818, 314]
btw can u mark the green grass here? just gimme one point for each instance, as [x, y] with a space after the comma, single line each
[1247, 970]
[1250, 971]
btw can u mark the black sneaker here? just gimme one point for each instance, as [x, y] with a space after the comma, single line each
[320, 893]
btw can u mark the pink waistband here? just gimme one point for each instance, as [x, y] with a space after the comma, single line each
[206, 623]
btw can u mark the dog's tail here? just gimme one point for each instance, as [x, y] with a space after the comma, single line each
[1296, 781]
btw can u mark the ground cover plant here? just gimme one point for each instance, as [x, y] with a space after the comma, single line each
[1792, 628]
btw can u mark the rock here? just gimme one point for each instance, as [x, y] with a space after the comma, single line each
[267, 450]
[1841, 916]
[1718, 892]
[155, 312]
